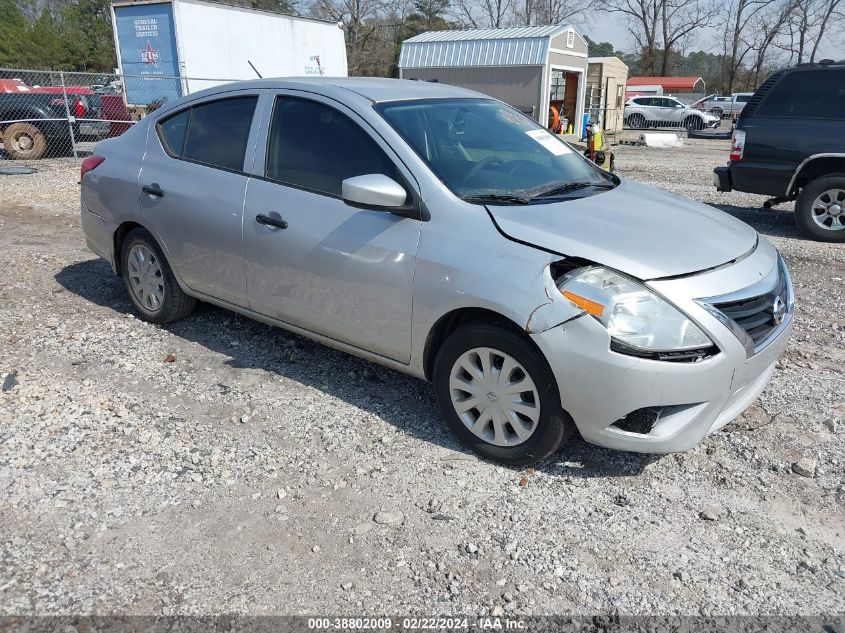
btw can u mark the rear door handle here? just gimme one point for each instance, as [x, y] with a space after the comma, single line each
[266, 220]
[153, 190]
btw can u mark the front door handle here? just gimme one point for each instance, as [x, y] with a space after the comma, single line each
[153, 190]
[267, 220]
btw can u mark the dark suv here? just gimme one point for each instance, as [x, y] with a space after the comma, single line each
[789, 143]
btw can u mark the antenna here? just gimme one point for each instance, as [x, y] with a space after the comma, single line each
[255, 69]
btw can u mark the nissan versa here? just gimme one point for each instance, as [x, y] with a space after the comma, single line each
[439, 232]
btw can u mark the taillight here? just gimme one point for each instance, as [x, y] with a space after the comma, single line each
[90, 163]
[79, 109]
[737, 145]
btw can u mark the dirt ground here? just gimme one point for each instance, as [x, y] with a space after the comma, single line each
[262, 473]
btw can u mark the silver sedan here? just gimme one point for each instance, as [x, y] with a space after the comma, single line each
[444, 234]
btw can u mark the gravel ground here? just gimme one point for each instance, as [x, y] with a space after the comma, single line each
[218, 465]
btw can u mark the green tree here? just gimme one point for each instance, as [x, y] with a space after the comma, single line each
[428, 15]
[601, 49]
[88, 35]
[51, 46]
[15, 47]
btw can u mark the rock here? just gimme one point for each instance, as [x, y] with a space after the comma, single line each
[497, 612]
[281, 494]
[832, 425]
[614, 581]
[710, 512]
[346, 586]
[559, 572]
[280, 509]
[443, 517]
[392, 519]
[471, 548]
[805, 467]
[315, 549]
[362, 528]
[507, 596]
[10, 381]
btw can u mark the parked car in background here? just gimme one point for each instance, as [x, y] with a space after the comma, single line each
[458, 241]
[725, 107]
[651, 111]
[789, 143]
[34, 118]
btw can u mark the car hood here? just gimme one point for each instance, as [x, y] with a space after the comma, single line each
[634, 228]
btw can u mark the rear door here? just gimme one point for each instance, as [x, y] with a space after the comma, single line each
[193, 183]
[803, 114]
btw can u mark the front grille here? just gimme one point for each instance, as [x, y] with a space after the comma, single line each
[761, 315]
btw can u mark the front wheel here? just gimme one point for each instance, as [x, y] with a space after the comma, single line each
[498, 395]
[820, 209]
[150, 281]
[693, 123]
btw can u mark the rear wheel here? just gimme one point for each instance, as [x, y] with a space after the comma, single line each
[150, 281]
[820, 209]
[717, 112]
[498, 395]
[24, 141]
[636, 121]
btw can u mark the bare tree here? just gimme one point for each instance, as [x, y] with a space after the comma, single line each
[735, 27]
[830, 13]
[643, 22]
[679, 19]
[360, 25]
[767, 26]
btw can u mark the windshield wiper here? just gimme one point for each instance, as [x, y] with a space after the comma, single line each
[497, 198]
[571, 186]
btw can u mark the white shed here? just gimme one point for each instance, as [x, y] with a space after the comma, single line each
[530, 68]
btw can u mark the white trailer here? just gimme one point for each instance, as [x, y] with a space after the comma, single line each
[166, 49]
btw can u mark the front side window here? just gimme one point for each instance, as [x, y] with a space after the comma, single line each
[816, 94]
[315, 147]
[480, 147]
[214, 133]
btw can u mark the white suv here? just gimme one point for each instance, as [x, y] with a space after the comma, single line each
[641, 112]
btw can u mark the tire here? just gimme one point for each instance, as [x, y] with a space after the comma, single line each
[693, 123]
[825, 193]
[24, 141]
[717, 112]
[172, 304]
[550, 425]
[636, 121]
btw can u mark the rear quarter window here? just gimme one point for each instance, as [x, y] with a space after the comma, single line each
[816, 94]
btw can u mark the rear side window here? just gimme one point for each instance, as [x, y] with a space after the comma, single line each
[214, 133]
[742, 98]
[315, 147]
[807, 95]
[172, 132]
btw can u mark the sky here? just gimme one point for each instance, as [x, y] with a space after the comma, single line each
[610, 27]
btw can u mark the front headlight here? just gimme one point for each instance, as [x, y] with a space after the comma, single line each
[632, 314]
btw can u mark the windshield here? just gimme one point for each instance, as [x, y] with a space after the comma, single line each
[484, 149]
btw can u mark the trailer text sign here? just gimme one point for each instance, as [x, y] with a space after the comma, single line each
[148, 57]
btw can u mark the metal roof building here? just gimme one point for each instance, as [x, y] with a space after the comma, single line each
[530, 68]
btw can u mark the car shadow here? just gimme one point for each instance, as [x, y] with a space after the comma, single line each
[403, 401]
[776, 222]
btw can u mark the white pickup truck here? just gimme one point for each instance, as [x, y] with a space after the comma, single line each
[723, 107]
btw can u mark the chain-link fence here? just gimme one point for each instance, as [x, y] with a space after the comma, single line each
[47, 114]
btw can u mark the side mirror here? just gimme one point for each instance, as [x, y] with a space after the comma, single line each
[374, 190]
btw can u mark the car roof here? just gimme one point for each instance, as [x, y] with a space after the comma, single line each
[375, 89]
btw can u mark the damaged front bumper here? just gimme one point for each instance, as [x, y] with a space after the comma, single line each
[655, 406]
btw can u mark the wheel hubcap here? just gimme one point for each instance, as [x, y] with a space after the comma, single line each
[494, 396]
[24, 142]
[145, 278]
[829, 210]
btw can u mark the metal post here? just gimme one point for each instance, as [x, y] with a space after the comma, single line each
[70, 119]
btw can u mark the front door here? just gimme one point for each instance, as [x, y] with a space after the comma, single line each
[192, 191]
[318, 263]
